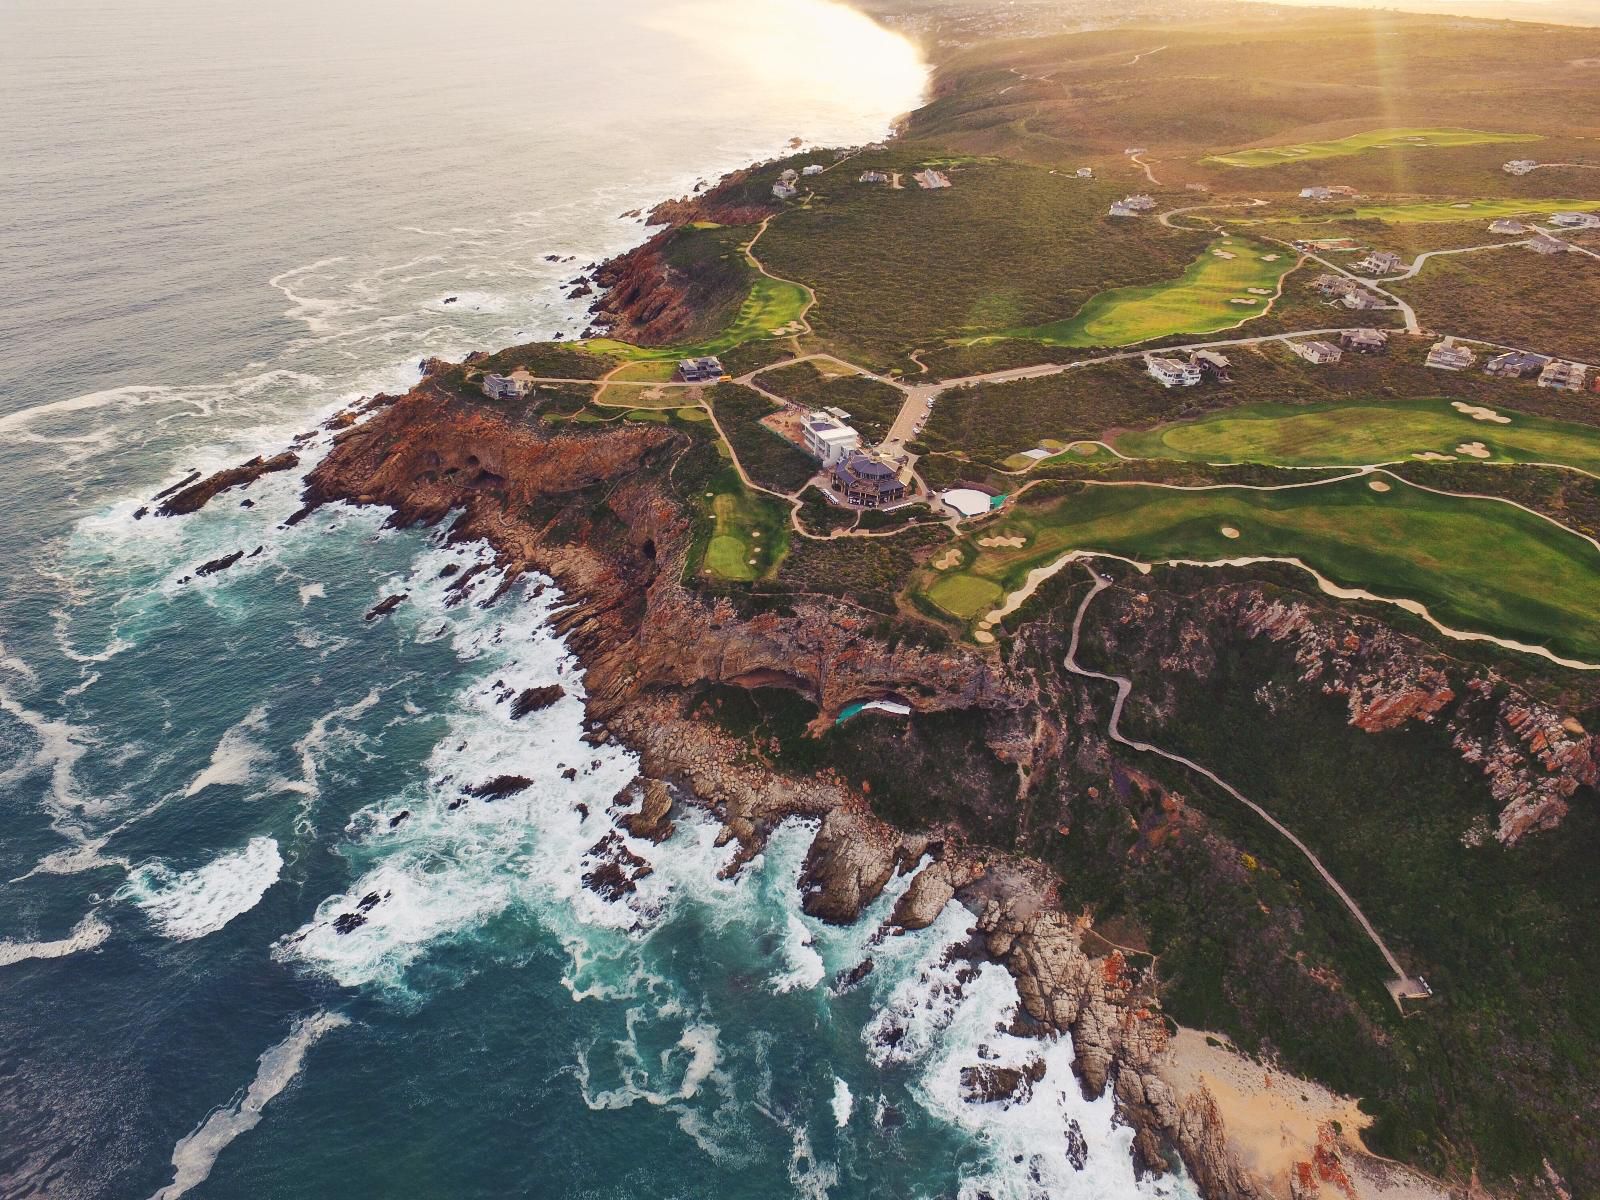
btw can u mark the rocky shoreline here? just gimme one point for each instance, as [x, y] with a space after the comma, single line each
[593, 511]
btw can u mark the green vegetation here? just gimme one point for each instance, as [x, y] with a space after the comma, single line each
[1478, 565]
[1487, 1075]
[1357, 143]
[1513, 298]
[771, 460]
[749, 535]
[1364, 432]
[732, 301]
[1232, 281]
[1007, 246]
[549, 360]
[872, 405]
[1429, 211]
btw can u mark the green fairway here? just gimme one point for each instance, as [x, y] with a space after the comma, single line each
[1439, 211]
[1478, 565]
[1358, 143]
[1232, 281]
[749, 533]
[1368, 432]
[773, 308]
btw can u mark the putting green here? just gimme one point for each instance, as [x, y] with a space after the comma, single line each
[1221, 288]
[749, 536]
[1477, 565]
[965, 596]
[1359, 143]
[1368, 432]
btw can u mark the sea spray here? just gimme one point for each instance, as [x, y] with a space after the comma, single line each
[183, 905]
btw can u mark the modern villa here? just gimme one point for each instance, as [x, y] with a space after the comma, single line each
[829, 439]
[701, 370]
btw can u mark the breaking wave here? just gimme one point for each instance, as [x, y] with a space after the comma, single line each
[184, 905]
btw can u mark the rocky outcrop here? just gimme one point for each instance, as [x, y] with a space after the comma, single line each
[1534, 756]
[192, 496]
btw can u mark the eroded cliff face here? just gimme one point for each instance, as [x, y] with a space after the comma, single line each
[1534, 756]
[595, 511]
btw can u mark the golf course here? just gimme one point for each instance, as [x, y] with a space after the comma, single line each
[1433, 212]
[1233, 280]
[1478, 565]
[1359, 143]
[749, 534]
[1361, 433]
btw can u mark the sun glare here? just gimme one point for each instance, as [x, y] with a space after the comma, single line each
[816, 46]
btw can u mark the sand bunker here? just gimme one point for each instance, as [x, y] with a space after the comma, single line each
[1270, 257]
[1011, 543]
[950, 558]
[1223, 254]
[1478, 413]
[1251, 301]
[983, 637]
[1378, 485]
[1259, 291]
[1473, 449]
[1434, 456]
[1229, 532]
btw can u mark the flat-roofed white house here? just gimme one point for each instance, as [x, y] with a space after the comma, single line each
[1140, 202]
[813, 169]
[829, 439]
[1172, 372]
[500, 387]
[1543, 243]
[1316, 193]
[1380, 262]
[1563, 376]
[1519, 166]
[1317, 351]
[1507, 225]
[1575, 220]
[1447, 356]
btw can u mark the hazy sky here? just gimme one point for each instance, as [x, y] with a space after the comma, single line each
[1567, 12]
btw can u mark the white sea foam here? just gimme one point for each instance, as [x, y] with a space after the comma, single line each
[86, 935]
[843, 1102]
[946, 1015]
[310, 592]
[810, 1178]
[806, 968]
[237, 754]
[455, 861]
[184, 905]
[195, 1155]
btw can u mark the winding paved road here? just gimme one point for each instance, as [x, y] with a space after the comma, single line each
[1402, 986]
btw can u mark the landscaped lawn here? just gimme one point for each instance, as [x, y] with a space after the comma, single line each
[1478, 565]
[1358, 143]
[1212, 295]
[1365, 432]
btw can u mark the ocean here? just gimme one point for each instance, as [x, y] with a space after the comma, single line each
[247, 947]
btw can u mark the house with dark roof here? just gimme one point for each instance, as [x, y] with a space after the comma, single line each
[867, 482]
[701, 370]
[1516, 364]
[1365, 341]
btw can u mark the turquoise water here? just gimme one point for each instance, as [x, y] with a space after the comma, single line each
[230, 221]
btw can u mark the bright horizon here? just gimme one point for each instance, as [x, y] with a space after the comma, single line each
[1558, 12]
